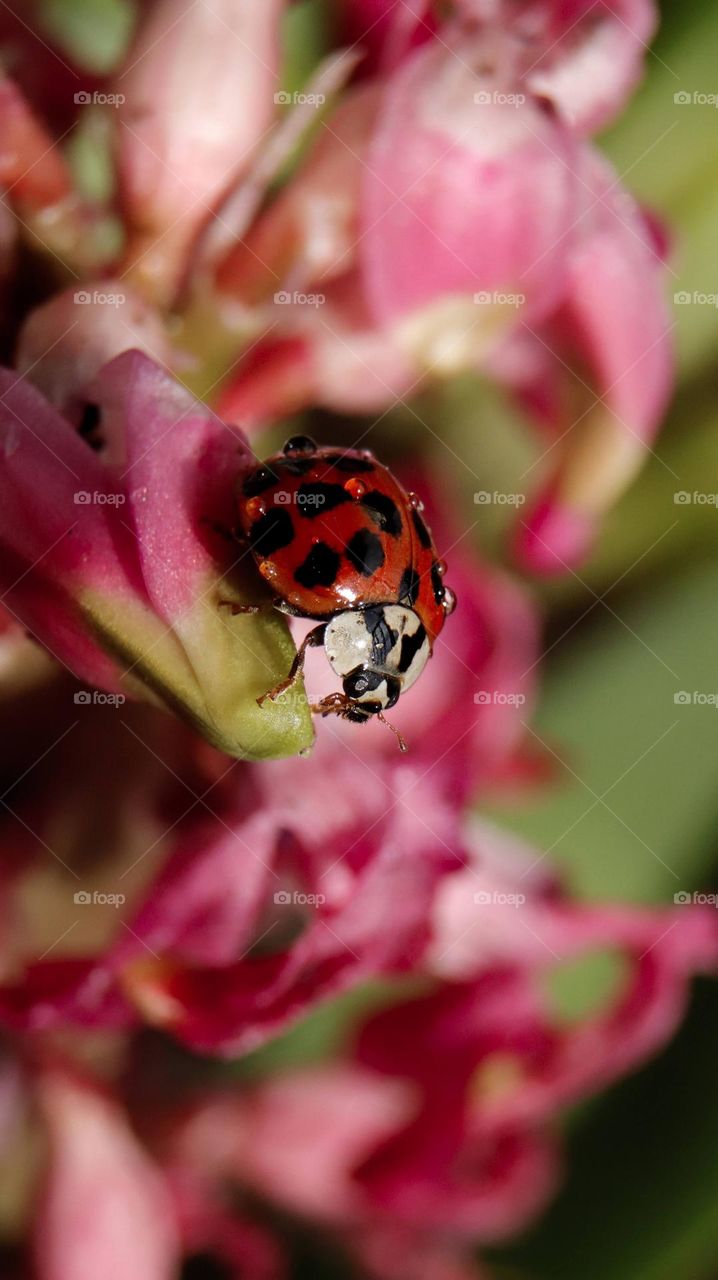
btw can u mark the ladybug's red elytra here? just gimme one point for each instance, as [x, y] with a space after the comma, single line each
[336, 538]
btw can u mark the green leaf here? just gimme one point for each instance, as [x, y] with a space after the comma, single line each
[93, 33]
[634, 814]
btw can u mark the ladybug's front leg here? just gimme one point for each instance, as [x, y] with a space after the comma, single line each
[312, 640]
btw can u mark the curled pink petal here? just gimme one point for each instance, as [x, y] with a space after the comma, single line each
[593, 57]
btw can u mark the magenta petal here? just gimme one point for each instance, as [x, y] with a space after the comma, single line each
[207, 897]
[180, 467]
[63, 546]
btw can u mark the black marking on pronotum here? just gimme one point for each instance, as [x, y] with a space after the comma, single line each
[89, 426]
[316, 498]
[271, 532]
[365, 552]
[383, 638]
[410, 646]
[422, 532]
[319, 568]
[383, 511]
[436, 582]
[409, 586]
[347, 462]
[259, 481]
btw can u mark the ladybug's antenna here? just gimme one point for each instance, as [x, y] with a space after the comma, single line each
[395, 731]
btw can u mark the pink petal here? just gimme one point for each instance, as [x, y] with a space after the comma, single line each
[61, 549]
[616, 319]
[593, 58]
[105, 1209]
[463, 197]
[199, 95]
[64, 343]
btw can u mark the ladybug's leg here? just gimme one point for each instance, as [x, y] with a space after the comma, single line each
[311, 641]
[230, 535]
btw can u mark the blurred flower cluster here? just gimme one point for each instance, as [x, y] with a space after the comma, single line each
[196, 244]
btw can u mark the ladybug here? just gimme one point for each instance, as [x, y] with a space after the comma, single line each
[336, 538]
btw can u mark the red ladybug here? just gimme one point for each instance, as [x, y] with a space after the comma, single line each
[336, 538]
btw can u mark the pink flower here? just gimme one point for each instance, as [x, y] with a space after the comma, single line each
[111, 559]
[198, 96]
[448, 218]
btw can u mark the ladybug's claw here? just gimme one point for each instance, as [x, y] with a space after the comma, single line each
[337, 704]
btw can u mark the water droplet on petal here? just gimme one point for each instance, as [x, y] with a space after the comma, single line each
[448, 604]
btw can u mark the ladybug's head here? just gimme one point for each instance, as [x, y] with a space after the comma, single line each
[378, 651]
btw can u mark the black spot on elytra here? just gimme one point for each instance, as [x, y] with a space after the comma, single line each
[410, 646]
[259, 481]
[409, 586]
[383, 638]
[316, 498]
[383, 511]
[299, 466]
[421, 530]
[347, 462]
[204, 1265]
[437, 583]
[365, 552]
[319, 568]
[271, 532]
